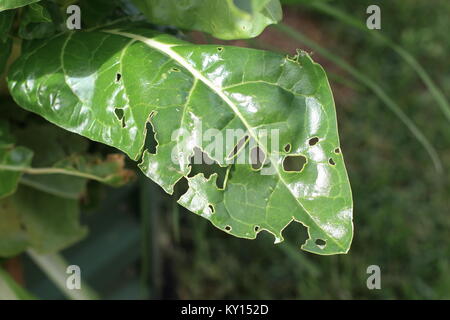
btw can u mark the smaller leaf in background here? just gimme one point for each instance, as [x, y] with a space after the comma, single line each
[13, 237]
[110, 171]
[224, 19]
[56, 145]
[6, 138]
[6, 20]
[68, 177]
[97, 12]
[66, 155]
[52, 223]
[54, 266]
[40, 20]
[12, 4]
[44, 212]
[5, 51]
[11, 156]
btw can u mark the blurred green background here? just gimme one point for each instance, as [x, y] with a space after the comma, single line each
[142, 245]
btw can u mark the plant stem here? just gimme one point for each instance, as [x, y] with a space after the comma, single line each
[38, 171]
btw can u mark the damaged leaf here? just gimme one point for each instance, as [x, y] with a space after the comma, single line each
[110, 87]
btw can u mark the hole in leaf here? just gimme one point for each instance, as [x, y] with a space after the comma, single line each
[181, 187]
[321, 243]
[238, 147]
[120, 114]
[220, 49]
[118, 77]
[201, 158]
[256, 228]
[228, 228]
[337, 150]
[313, 141]
[294, 163]
[211, 207]
[207, 169]
[150, 140]
[257, 157]
[288, 147]
[331, 161]
[174, 69]
[295, 232]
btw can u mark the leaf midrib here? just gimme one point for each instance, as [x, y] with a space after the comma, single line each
[166, 49]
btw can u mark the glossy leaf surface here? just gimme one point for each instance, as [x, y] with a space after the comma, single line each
[224, 19]
[88, 76]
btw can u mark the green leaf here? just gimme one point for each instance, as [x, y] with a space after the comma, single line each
[13, 237]
[6, 20]
[16, 156]
[54, 266]
[38, 220]
[95, 13]
[224, 19]
[12, 4]
[10, 155]
[52, 223]
[173, 84]
[5, 51]
[36, 22]
[42, 20]
[7, 140]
